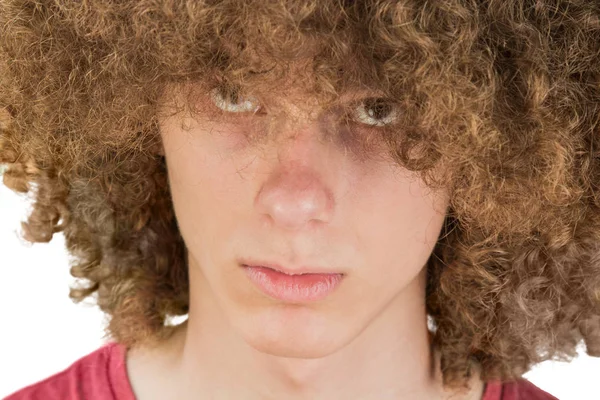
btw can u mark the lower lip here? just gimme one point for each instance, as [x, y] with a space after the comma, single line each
[293, 288]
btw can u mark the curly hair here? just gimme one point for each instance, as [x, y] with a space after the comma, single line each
[504, 94]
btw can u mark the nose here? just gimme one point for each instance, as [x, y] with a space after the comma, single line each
[297, 191]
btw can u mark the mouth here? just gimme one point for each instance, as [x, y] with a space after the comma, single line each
[301, 287]
[291, 271]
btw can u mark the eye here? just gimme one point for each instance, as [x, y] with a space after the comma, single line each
[230, 99]
[375, 112]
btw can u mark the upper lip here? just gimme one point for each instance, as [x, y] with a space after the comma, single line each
[288, 270]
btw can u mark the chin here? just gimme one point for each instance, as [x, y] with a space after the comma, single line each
[299, 334]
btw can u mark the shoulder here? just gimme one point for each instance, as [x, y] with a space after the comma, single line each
[527, 390]
[90, 377]
[515, 390]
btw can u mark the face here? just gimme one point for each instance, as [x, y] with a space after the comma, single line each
[294, 199]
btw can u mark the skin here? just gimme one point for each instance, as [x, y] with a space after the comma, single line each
[295, 199]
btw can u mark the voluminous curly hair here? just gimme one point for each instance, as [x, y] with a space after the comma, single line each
[505, 94]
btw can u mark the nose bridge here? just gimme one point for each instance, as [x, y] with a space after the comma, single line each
[301, 145]
[295, 135]
[305, 131]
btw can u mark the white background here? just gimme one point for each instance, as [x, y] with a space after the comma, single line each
[43, 332]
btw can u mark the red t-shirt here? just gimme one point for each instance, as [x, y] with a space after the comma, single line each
[102, 375]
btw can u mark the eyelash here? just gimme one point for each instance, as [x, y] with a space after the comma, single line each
[363, 110]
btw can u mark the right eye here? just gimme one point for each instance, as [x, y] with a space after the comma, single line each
[230, 99]
[375, 112]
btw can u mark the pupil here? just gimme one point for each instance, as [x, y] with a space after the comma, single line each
[233, 95]
[378, 108]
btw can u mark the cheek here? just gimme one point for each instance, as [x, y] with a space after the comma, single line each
[238, 137]
[202, 162]
[397, 230]
[202, 191]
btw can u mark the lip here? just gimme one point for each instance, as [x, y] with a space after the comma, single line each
[288, 271]
[298, 288]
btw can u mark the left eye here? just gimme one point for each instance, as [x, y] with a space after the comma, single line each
[231, 100]
[375, 112]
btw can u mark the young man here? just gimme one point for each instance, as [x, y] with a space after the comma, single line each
[309, 182]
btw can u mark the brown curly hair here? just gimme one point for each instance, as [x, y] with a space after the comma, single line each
[504, 94]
